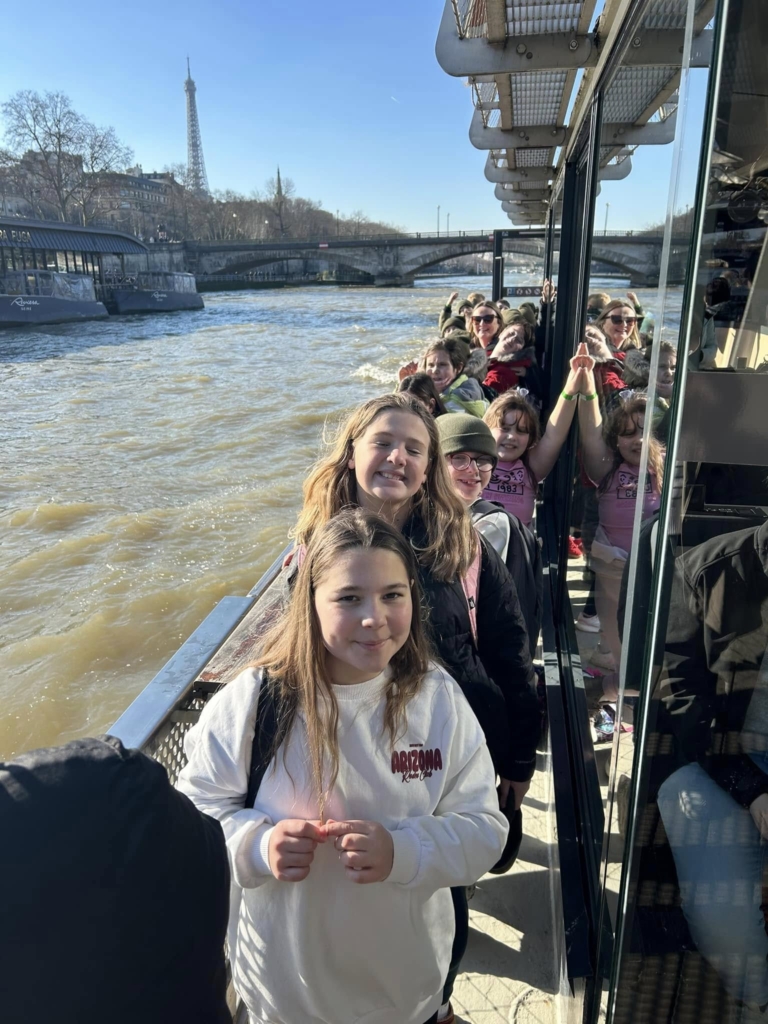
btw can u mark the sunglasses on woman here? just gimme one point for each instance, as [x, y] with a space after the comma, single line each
[461, 461]
[486, 318]
[630, 321]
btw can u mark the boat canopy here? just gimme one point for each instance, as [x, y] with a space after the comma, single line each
[44, 282]
[167, 282]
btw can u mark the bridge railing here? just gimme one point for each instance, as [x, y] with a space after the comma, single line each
[331, 238]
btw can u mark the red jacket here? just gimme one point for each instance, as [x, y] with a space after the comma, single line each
[503, 376]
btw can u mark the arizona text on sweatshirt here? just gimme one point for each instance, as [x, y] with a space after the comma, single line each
[325, 950]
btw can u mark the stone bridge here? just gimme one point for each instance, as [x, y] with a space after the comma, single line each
[396, 260]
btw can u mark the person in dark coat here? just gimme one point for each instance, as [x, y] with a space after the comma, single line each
[114, 892]
[709, 770]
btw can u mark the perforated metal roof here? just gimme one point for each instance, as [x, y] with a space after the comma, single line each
[523, 60]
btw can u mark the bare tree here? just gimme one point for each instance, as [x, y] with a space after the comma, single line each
[59, 153]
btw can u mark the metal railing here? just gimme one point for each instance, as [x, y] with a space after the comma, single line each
[167, 708]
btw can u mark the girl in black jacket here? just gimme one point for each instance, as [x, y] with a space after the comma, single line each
[386, 458]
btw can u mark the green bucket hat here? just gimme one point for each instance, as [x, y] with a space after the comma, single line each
[460, 432]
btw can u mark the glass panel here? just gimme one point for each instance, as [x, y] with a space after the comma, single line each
[694, 943]
[74, 286]
[649, 122]
[14, 283]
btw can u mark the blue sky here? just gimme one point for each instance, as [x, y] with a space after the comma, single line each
[346, 96]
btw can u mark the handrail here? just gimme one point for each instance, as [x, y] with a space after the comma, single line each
[172, 685]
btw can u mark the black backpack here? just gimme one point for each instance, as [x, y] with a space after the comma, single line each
[524, 564]
[263, 738]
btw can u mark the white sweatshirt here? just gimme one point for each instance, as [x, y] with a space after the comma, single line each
[328, 950]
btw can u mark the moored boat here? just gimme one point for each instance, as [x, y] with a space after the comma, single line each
[153, 292]
[47, 297]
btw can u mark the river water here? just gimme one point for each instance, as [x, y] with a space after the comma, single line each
[150, 466]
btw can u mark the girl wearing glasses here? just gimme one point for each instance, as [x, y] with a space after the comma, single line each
[525, 456]
[470, 457]
[486, 325]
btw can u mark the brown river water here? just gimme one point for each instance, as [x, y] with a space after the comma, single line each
[150, 466]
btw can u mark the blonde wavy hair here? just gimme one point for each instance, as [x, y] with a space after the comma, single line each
[332, 486]
[294, 655]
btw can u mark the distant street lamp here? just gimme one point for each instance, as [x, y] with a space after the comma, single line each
[605, 225]
[447, 223]
[337, 223]
[438, 222]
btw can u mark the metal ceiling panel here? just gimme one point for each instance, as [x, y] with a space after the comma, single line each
[533, 157]
[536, 97]
[539, 18]
[632, 91]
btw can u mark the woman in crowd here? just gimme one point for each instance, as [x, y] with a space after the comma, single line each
[525, 456]
[422, 387]
[361, 708]
[486, 325]
[612, 450]
[619, 321]
[387, 459]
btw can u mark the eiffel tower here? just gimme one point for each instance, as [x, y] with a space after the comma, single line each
[197, 178]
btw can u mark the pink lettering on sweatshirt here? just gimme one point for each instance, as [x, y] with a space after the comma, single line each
[616, 504]
[513, 487]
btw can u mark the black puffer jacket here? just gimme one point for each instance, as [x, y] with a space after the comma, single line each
[716, 641]
[497, 679]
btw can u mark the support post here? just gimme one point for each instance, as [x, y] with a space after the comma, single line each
[498, 265]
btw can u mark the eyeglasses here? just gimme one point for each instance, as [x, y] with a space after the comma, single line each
[486, 318]
[630, 321]
[462, 461]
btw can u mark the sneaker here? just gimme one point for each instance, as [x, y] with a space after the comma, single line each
[588, 623]
[575, 547]
[603, 660]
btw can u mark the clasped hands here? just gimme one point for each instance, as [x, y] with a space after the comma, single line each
[366, 850]
[581, 379]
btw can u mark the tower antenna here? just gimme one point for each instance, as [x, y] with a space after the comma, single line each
[198, 179]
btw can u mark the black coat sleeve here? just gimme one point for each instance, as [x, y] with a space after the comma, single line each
[505, 653]
[689, 702]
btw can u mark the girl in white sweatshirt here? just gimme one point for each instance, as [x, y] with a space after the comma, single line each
[380, 795]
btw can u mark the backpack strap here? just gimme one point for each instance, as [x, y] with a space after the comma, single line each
[470, 584]
[263, 738]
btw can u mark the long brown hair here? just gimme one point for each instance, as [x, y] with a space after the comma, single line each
[332, 485]
[513, 401]
[632, 340]
[293, 653]
[476, 343]
[625, 413]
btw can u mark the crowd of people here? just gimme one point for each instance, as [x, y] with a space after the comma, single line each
[373, 762]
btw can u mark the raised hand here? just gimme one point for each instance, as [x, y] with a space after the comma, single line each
[548, 291]
[292, 846]
[366, 849]
[633, 298]
[407, 370]
[581, 379]
[452, 299]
